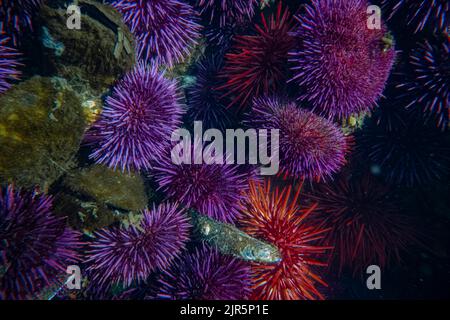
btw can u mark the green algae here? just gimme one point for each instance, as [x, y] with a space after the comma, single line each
[115, 188]
[41, 127]
[100, 52]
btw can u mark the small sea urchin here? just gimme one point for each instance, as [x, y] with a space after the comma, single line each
[205, 274]
[257, 64]
[137, 122]
[310, 146]
[8, 65]
[166, 30]
[340, 64]
[35, 245]
[273, 215]
[15, 16]
[122, 256]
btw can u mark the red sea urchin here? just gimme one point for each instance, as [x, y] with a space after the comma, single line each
[35, 245]
[310, 146]
[257, 64]
[273, 215]
[15, 16]
[128, 255]
[205, 274]
[8, 65]
[340, 64]
[364, 220]
[166, 30]
[135, 126]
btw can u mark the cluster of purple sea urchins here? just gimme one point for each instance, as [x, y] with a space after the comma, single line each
[35, 245]
[330, 68]
[135, 126]
[15, 16]
[339, 63]
[166, 30]
[8, 65]
[310, 146]
[127, 255]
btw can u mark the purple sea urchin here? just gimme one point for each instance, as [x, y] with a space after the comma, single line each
[420, 13]
[8, 65]
[428, 88]
[215, 190]
[203, 99]
[225, 12]
[35, 245]
[340, 64]
[128, 255]
[206, 275]
[310, 146]
[137, 122]
[165, 29]
[15, 16]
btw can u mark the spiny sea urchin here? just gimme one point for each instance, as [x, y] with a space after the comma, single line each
[364, 220]
[125, 255]
[8, 65]
[35, 245]
[205, 274]
[310, 146]
[166, 30]
[340, 64]
[15, 16]
[136, 125]
[257, 64]
[273, 215]
[215, 190]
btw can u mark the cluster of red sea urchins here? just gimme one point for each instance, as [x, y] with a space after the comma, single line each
[303, 74]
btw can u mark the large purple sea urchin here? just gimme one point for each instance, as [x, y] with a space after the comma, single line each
[35, 245]
[341, 65]
[138, 120]
[8, 65]
[310, 147]
[206, 275]
[127, 255]
[215, 190]
[225, 12]
[15, 16]
[165, 29]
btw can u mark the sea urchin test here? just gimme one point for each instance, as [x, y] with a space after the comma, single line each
[213, 153]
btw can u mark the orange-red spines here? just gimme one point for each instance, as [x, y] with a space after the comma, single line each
[257, 63]
[272, 214]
